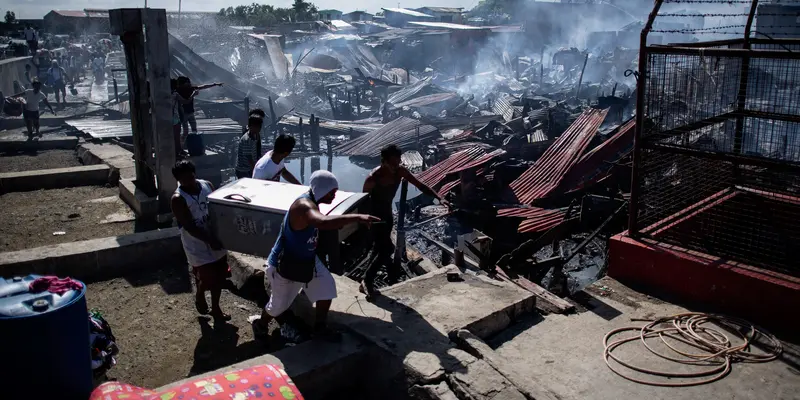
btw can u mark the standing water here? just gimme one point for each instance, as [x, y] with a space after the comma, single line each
[351, 176]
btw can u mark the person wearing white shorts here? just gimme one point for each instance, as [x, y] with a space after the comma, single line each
[283, 291]
[296, 248]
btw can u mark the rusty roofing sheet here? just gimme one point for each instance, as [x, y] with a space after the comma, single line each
[480, 160]
[596, 163]
[546, 174]
[536, 219]
[437, 173]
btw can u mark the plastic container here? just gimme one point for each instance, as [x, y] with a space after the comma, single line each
[194, 144]
[45, 342]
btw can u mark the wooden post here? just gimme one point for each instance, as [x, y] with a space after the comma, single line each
[580, 80]
[516, 67]
[272, 119]
[458, 258]
[333, 106]
[418, 148]
[400, 247]
[302, 170]
[300, 131]
[315, 164]
[158, 69]
[330, 154]
[314, 133]
[116, 89]
[246, 108]
[358, 102]
[127, 23]
[541, 74]
[446, 258]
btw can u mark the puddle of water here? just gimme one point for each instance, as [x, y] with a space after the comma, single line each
[351, 176]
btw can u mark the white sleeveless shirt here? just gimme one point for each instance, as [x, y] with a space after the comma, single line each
[197, 251]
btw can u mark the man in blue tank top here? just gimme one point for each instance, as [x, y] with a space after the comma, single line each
[299, 235]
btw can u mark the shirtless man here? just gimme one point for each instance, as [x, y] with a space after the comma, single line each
[382, 184]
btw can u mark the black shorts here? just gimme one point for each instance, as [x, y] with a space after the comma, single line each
[212, 275]
[30, 115]
[33, 45]
[59, 85]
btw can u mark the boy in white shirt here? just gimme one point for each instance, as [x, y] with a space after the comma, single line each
[271, 166]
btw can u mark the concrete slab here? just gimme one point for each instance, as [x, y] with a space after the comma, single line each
[143, 206]
[45, 143]
[96, 259]
[565, 353]
[319, 368]
[56, 178]
[432, 392]
[113, 155]
[476, 303]
[411, 321]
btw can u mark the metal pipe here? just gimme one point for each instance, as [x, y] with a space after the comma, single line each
[633, 230]
[712, 52]
[400, 246]
[580, 80]
[741, 96]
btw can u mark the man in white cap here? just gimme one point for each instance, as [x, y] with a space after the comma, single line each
[293, 264]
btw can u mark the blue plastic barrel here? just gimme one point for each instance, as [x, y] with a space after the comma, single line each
[44, 343]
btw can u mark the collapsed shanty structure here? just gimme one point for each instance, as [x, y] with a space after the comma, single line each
[535, 131]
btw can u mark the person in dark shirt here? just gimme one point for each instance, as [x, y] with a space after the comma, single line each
[188, 93]
[249, 150]
[382, 184]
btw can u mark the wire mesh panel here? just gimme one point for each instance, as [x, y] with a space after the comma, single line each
[719, 152]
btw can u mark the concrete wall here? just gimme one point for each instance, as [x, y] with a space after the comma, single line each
[12, 69]
[714, 284]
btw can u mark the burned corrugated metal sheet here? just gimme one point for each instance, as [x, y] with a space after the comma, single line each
[277, 66]
[428, 100]
[336, 127]
[469, 158]
[401, 132]
[411, 159]
[481, 160]
[598, 162]
[99, 128]
[420, 88]
[546, 174]
[458, 121]
[186, 62]
[535, 219]
[502, 106]
[436, 174]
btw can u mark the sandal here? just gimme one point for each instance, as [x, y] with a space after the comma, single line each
[260, 329]
[371, 293]
[220, 316]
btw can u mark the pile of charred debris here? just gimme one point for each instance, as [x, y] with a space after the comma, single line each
[533, 151]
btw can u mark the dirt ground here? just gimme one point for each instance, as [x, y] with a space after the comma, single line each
[161, 336]
[30, 219]
[47, 159]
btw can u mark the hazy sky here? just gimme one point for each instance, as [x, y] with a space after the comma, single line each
[38, 8]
